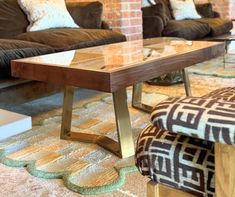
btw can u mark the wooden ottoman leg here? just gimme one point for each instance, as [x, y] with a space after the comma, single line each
[158, 190]
[224, 170]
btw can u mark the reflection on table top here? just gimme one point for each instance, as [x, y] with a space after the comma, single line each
[112, 57]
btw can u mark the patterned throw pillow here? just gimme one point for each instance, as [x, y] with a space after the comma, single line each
[45, 14]
[184, 9]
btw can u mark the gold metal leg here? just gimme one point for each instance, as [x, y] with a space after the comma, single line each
[123, 123]
[67, 112]
[186, 83]
[125, 145]
[137, 97]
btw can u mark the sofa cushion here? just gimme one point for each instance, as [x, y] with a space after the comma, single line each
[166, 6]
[156, 10]
[188, 29]
[205, 10]
[45, 14]
[69, 38]
[86, 14]
[218, 26]
[14, 49]
[184, 9]
[13, 21]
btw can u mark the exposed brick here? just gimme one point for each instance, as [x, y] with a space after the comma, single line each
[123, 15]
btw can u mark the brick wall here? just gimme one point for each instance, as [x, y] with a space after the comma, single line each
[124, 16]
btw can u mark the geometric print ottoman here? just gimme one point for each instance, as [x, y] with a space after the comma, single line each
[175, 160]
[188, 145]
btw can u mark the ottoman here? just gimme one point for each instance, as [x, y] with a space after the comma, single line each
[188, 146]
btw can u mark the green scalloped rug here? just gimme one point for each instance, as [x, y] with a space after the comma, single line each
[84, 168]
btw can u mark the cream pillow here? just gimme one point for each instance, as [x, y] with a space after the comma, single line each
[45, 14]
[184, 9]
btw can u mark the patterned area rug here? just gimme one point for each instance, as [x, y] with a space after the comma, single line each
[84, 168]
[216, 67]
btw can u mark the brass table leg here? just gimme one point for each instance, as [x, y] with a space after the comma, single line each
[123, 123]
[186, 83]
[137, 97]
[125, 145]
[137, 93]
[67, 112]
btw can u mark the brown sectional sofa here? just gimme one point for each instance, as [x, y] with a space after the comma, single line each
[158, 21]
[16, 43]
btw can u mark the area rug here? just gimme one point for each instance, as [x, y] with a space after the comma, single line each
[84, 168]
[216, 67]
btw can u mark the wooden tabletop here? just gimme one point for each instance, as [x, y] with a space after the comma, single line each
[111, 67]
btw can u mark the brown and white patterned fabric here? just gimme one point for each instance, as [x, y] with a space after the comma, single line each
[176, 160]
[169, 150]
[222, 94]
[207, 119]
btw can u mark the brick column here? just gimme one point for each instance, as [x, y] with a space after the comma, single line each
[123, 15]
[223, 7]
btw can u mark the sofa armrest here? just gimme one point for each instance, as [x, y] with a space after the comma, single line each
[152, 26]
[206, 10]
[207, 119]
[105, 25]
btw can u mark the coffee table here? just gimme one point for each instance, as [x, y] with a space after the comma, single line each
[229, 40]
[112, 68]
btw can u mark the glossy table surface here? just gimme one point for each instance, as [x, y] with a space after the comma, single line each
[116, 65]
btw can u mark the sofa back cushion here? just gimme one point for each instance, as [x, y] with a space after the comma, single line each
[205, 10]
[156, 10]
[86, 14]
[13, 21]
[167, 8]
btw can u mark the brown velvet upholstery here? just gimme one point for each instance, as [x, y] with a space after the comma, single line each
[218, 26]
[14, 49]
[166, 7]
[67, 39]
[205, 10]
[156, 10]
[13, 21]
[86, 14]
[13, 24]
[188, 29]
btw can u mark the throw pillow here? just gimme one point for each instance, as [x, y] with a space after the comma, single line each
[184, 9]
[45, 14]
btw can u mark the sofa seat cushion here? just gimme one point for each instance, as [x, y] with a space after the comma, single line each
[175, 160]
[218, 26]
[188, 29]
[15, 49]
[69, 38]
